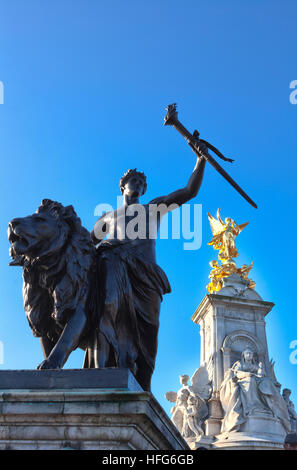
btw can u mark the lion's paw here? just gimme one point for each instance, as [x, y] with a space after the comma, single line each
[48, 364]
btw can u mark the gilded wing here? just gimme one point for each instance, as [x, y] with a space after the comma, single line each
[241, 227]
[217, 225]
[245, 270]
[219, 216]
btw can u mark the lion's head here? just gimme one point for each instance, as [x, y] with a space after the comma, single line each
[57, 256]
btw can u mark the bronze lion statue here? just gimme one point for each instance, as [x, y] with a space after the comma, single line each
[101, 297]
[58, 260]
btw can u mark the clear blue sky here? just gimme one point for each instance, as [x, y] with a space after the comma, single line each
[86, 84]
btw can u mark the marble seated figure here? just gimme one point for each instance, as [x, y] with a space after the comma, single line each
[247, 391]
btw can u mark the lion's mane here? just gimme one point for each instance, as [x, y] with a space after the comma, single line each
[59, 277]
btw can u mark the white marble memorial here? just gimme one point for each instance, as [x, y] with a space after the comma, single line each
[246, 410]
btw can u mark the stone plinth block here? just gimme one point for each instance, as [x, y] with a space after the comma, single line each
[257, 433]
[92, 409]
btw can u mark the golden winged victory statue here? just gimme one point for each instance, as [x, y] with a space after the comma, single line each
[224, 234]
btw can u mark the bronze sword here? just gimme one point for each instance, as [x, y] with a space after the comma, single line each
[193, 140]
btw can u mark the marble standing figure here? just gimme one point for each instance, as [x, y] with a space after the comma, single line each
[291, 409]
[191, 408]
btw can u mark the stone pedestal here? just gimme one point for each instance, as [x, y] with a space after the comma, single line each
[90, 409]
[230, 321]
